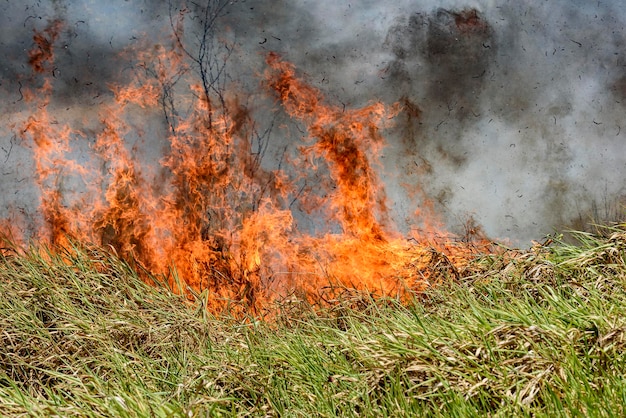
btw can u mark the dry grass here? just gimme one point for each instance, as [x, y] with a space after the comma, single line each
[539, 332]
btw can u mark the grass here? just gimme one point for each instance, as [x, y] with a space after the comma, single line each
[524, 333]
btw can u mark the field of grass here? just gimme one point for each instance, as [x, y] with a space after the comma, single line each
[524, 333]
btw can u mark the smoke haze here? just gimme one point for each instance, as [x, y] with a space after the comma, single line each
[511, 111]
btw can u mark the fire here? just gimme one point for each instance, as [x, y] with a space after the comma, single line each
[344, 139]
[211, 218]
[50, 142]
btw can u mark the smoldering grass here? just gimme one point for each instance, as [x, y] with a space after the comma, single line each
[525, 333]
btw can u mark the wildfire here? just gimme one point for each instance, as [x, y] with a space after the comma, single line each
[211, 217]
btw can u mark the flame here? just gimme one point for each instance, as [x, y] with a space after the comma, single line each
[344, 139]
[49, 141]
[210, 218]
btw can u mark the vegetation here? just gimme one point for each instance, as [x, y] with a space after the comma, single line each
[539, 332]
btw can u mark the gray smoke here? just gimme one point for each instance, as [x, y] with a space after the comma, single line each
[512, 110]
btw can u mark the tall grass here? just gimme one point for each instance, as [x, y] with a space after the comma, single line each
[539, 332]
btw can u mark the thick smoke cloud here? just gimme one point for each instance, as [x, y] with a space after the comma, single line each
[512, 112]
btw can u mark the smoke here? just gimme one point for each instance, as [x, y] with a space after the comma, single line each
[511, 113]
[88, 59]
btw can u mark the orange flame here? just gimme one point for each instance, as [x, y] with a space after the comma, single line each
[343, 138]
[213, 217]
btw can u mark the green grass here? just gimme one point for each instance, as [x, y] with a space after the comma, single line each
[523, 333]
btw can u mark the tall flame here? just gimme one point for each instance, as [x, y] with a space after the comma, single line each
[344, 139]
[211, 217]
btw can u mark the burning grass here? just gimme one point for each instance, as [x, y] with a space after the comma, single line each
[207, 211]
[202, 296]
[538, 332]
